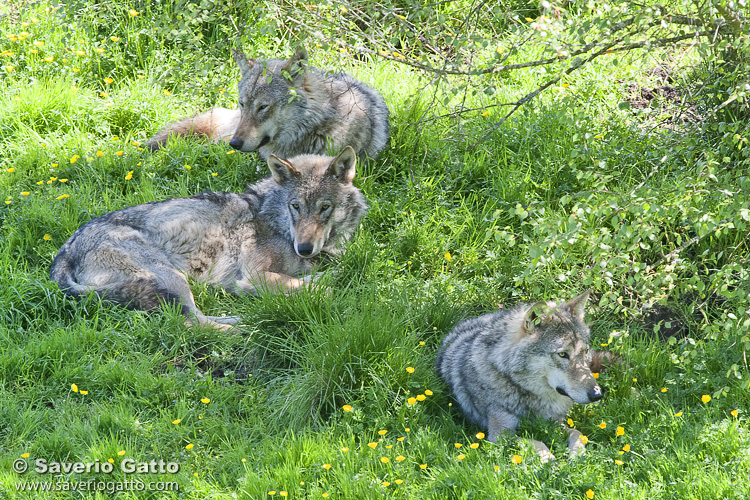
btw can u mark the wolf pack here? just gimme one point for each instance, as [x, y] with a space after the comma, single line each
[313, 128]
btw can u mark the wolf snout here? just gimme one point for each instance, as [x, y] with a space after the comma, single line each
[236, 143]
[595, 393]
[305, 249]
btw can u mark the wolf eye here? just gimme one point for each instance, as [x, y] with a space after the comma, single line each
[324, 207]
[262, 108]
[563, 355]
[294, 205]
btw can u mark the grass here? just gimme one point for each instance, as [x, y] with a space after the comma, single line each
[573, 193]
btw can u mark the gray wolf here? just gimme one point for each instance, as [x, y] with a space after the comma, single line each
[269, 237]
[533, 359]
[287, 108]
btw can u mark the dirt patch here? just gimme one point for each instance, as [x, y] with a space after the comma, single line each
[659, 94]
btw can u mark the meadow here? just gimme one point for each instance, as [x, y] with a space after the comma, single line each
[606, 181]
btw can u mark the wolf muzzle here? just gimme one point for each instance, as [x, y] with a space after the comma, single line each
[304, 250]
[594, 394]
[238, 143]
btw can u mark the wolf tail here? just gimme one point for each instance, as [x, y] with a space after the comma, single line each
[63, 273]
[600, 360]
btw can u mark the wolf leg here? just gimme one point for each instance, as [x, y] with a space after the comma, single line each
[227, 320]
[575, 444]
[503, 422]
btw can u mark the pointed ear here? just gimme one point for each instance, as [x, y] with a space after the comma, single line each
[296, 63]
[242, 61]
[577, 305]
[281, 170]
[343, 167]
[533, 317]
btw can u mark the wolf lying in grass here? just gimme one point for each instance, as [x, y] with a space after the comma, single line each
[270, 236]
[532, 359]
[287, 108]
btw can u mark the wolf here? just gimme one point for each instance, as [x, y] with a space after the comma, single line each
[269, 237]
[533, 359]
[287, 108]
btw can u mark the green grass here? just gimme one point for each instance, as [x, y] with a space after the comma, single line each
[572, 193]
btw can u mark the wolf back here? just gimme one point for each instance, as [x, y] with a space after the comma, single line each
[287, 108]
[270, 236]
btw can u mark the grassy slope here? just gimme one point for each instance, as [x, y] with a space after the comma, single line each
[276, 390]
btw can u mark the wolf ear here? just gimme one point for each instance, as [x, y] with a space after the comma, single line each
[343, 167]
[295, 63]
[242, 61]
[533, 317]
[281, 170]
[577, 305]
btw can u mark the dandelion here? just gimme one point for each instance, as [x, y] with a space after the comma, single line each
[8, 202]
[129, 175]
[565, 85]
[10, 170]
[619, 462]
[243, 460]
[348, 408]
[325, 495]
[176, 421]
[461, 456]
[230, 152]
[410, 369]
[705, 398]
[140, 77]
[9, 68]
[457, 445]
[214, 174]
[400, 458]
[24, 193]
[486, 113]
[49, 59]
[603, 425]
[326, 466]
[596, 375]
[80, 53]
[84, 392]
[734, 413]
[108, 81]
[679, 414]
[115, 38]
[583, 439]
[111, 460]
[133, 13]
[62, 196]
[63, 180]
[119, 153]
[447, 256]
[529, 19]
[205, 401]
[283, 493]
[663, 389]
[46, 237]
[570, 422]
[100, 51]
[74, 159]
[421, 397]
[400, 439]
[103, 94]
[25, 455]
[40, 183]
[626, 447]
[189, 446]
[398, 481]
[423, 466]
[635, 380]
[598, 136]
[517, 459]
[344, 449]
[272, 492]
[38, 43]
[167, 92]
[389, 447]
[407, 429]
[421, 342]
[385, 483]
[121, 452]
[620, 430]
[115, 138]
[497, 467]
[590, 494]
[428, 392]
[372, 445]
[136, 143]
[411, 401]
[385, 460]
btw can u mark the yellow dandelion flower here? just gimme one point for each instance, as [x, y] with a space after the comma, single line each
[480, 435]
[398, 481]
[214, 174]
[590, 494]
[25, 455]
[121, 452]
[115, 138]
[421, 397]
[167, 92]
[63, 180]
[46, 237]
[596, 375]
[486, 113]
[383, 432]
[584, 439]
[108, 81]
[8, 202]
[421, 342]
[103, 94]
[705, 398]
[38, 43]
[140, 77]
[734, 413]
[679, 414]
[423, 466]
[129, 175]
[457, 445]
[40, 183]
[111, 460]
[9, 68]
[428, 392]
[348, 408]
[100, 153]
[619, 462]
[461, 456]
[447, 256]
[11, 170]
[83, 392]
[385, 460]
[62, 196]
[205, 401]
[517, 459]
[80, 53]
[400, 458]
[400, 439]
[231, 152]
[133, 13]
[385, 483]
[283, 493]
[663, 389]
[176, 421]
[372, 445]
[243, 460]
[324, 495]
[49, 59]
[189, 446]
[570, 422]
[474, 446]
[119, 153]
[74, 159]
[326, 466]
[626, 447]
[272, 492]
[598, 136]
[603, 425]
[565, 85]
[407, 429]
[497, 467]
[410, 369]
[620, 430]
[529, 19]
[135, 143]
[24, 193]
[115, 38]
[345, 449]
[389, 447]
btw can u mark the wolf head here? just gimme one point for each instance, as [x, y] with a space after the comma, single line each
[561, 348]
[265, 91]
[323, 205]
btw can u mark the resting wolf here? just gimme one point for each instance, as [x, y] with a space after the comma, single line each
[270, 236]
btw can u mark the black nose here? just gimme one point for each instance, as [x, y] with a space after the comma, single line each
[305, 249]
[236, 143]
[595, 394]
